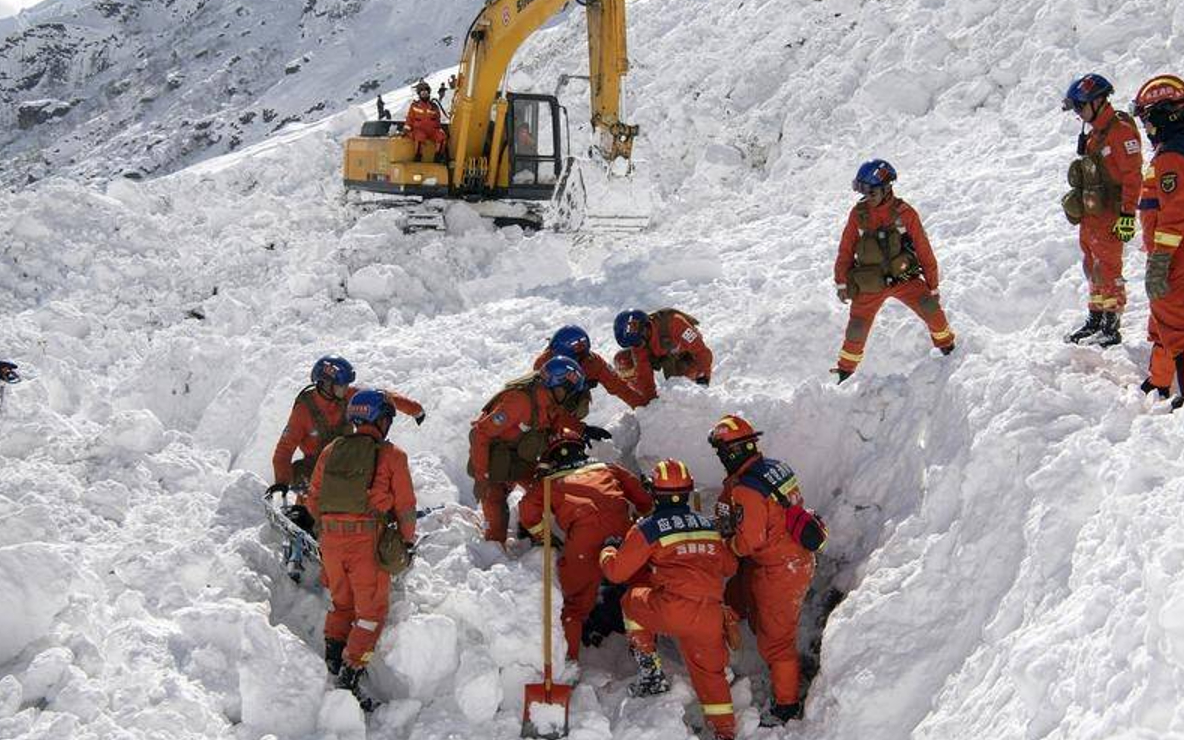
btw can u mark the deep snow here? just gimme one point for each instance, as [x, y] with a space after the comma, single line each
[1006, 522]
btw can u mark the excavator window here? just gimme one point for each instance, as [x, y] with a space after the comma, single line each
[533, 133]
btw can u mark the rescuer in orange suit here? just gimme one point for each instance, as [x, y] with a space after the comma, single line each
[317, 418]
[572, 341]
[423, 121]
[666, 340]
[590, 501]
[511, 434]
[687, 562]
[884, 253]
[358, 480]
[1105, 180]
[1159, 104]
[760, 514]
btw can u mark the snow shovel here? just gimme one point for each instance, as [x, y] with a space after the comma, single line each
[545, 707]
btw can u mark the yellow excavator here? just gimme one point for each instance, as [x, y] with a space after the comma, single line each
[504, 151]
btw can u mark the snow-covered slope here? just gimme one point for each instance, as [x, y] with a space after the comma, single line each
[102, 88]
[1006, 522]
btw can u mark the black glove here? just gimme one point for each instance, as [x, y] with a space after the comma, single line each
[301, 517]
[281, 488]
[420, 417]
[613, 541]
[703, 381]
[590, 384]
[605, 618]
[596, 434]
[524, 534]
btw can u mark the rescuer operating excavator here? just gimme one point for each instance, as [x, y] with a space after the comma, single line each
[504, 150]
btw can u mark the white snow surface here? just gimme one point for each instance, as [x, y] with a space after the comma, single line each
[1007, 523]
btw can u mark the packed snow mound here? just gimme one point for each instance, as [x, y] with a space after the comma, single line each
[1005, 522]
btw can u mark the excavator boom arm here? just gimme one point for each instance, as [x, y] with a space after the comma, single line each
[495, 35]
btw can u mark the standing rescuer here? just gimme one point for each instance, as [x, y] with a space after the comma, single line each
[687, 563]
[760, 514]
[667, 340]
[511, 434]
[591, 502]
[361, 482]
[1159, 104]
[884, 253]
[1105, 180]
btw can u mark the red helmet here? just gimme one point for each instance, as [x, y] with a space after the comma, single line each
[1162, 90]
[671, 476]
[731, 429]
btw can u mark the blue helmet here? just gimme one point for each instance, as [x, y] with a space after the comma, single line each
[872, 174]
[1086, 90]
[333, 369]
[629, 327]
[562, 372]
[570, 341]
[367, 407]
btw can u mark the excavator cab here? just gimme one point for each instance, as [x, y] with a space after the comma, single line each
[535, 149]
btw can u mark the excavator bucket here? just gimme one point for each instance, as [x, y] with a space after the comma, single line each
[595, 198]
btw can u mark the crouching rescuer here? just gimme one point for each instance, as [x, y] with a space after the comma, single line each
[363, 501]
[687, 562]
[884, 253]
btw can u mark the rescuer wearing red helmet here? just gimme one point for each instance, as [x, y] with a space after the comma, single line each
[760, 514]
[1159, 104]
[687, 563]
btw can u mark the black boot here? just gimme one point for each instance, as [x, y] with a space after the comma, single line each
[843, 374]
[1148, 388]
[333, 652]
[651, 680]
[947, 350]
[1110, 334]
[1092, 326]
[348, 679]
[779, 714]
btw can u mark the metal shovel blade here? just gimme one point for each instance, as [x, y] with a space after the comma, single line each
[545, 711]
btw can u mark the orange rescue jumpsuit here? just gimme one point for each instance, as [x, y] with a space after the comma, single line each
[1162, 216]
[423, 123]
[309, 434]
[919, 294]
[590, 504]
[359, 588]
[688, 562]
[635, 365]
[507, 420]
[1118, 142]
[775, 570]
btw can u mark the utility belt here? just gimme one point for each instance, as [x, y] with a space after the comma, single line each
[869, 280]
[348, 526]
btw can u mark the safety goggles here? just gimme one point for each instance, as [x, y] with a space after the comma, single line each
[864, 188]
